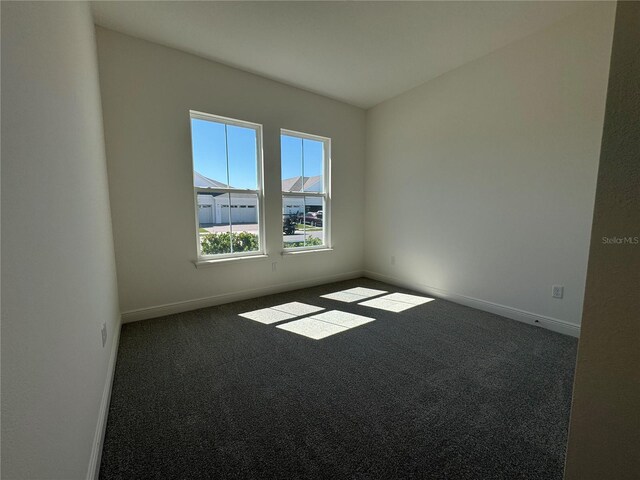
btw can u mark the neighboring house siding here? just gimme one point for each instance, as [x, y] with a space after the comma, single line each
[294, 205]
[213, 209]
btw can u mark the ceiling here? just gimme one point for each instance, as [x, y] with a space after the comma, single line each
[361, 53]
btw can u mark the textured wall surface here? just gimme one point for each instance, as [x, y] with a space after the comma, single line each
[604, 436]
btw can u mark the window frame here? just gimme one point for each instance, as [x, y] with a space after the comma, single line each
[325, 194]
[194, 114]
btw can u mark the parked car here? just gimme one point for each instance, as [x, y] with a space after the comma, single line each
[312, 218]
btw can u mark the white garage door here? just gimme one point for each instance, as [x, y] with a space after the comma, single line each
[223, 214]
[243, 214]
[205, 214]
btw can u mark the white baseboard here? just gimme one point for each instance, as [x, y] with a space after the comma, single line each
[549, 323]
[187, 305]
[96, 452]
[531, 318]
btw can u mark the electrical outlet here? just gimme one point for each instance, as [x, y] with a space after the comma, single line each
[393, 259]
[274, 266]
[557, 291]
[104, 334]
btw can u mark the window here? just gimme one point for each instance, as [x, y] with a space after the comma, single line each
[227, 183]
[305, 161]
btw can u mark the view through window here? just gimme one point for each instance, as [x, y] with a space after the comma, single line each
[305, 199]
[227, 179]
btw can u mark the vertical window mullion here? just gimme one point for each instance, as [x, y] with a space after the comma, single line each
[226, 145]
[324, 167]
[324, 213]
[304, 200]
[304, 220]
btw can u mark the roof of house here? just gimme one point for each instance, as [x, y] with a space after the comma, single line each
[201, 181]
[294, 184]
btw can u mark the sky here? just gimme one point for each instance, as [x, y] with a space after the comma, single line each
[209, 154]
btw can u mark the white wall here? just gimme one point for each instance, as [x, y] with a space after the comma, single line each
[147, 91]
[58, 269]
[481, 182]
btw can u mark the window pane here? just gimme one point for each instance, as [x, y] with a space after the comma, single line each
[243, 154]
[313, 221]
[291, 163]
[292, 222]
[213, 223]
[312, 166]
[209, 154]
[244, 222]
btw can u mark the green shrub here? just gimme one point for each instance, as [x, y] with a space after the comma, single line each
[215, 243]
[311, 241]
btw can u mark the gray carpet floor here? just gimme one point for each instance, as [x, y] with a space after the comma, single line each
[437, 391]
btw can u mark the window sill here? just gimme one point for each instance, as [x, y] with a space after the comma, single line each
[310, 250]
[220, 261]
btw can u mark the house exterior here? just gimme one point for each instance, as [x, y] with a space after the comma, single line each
[296, 205]
[238, 208]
